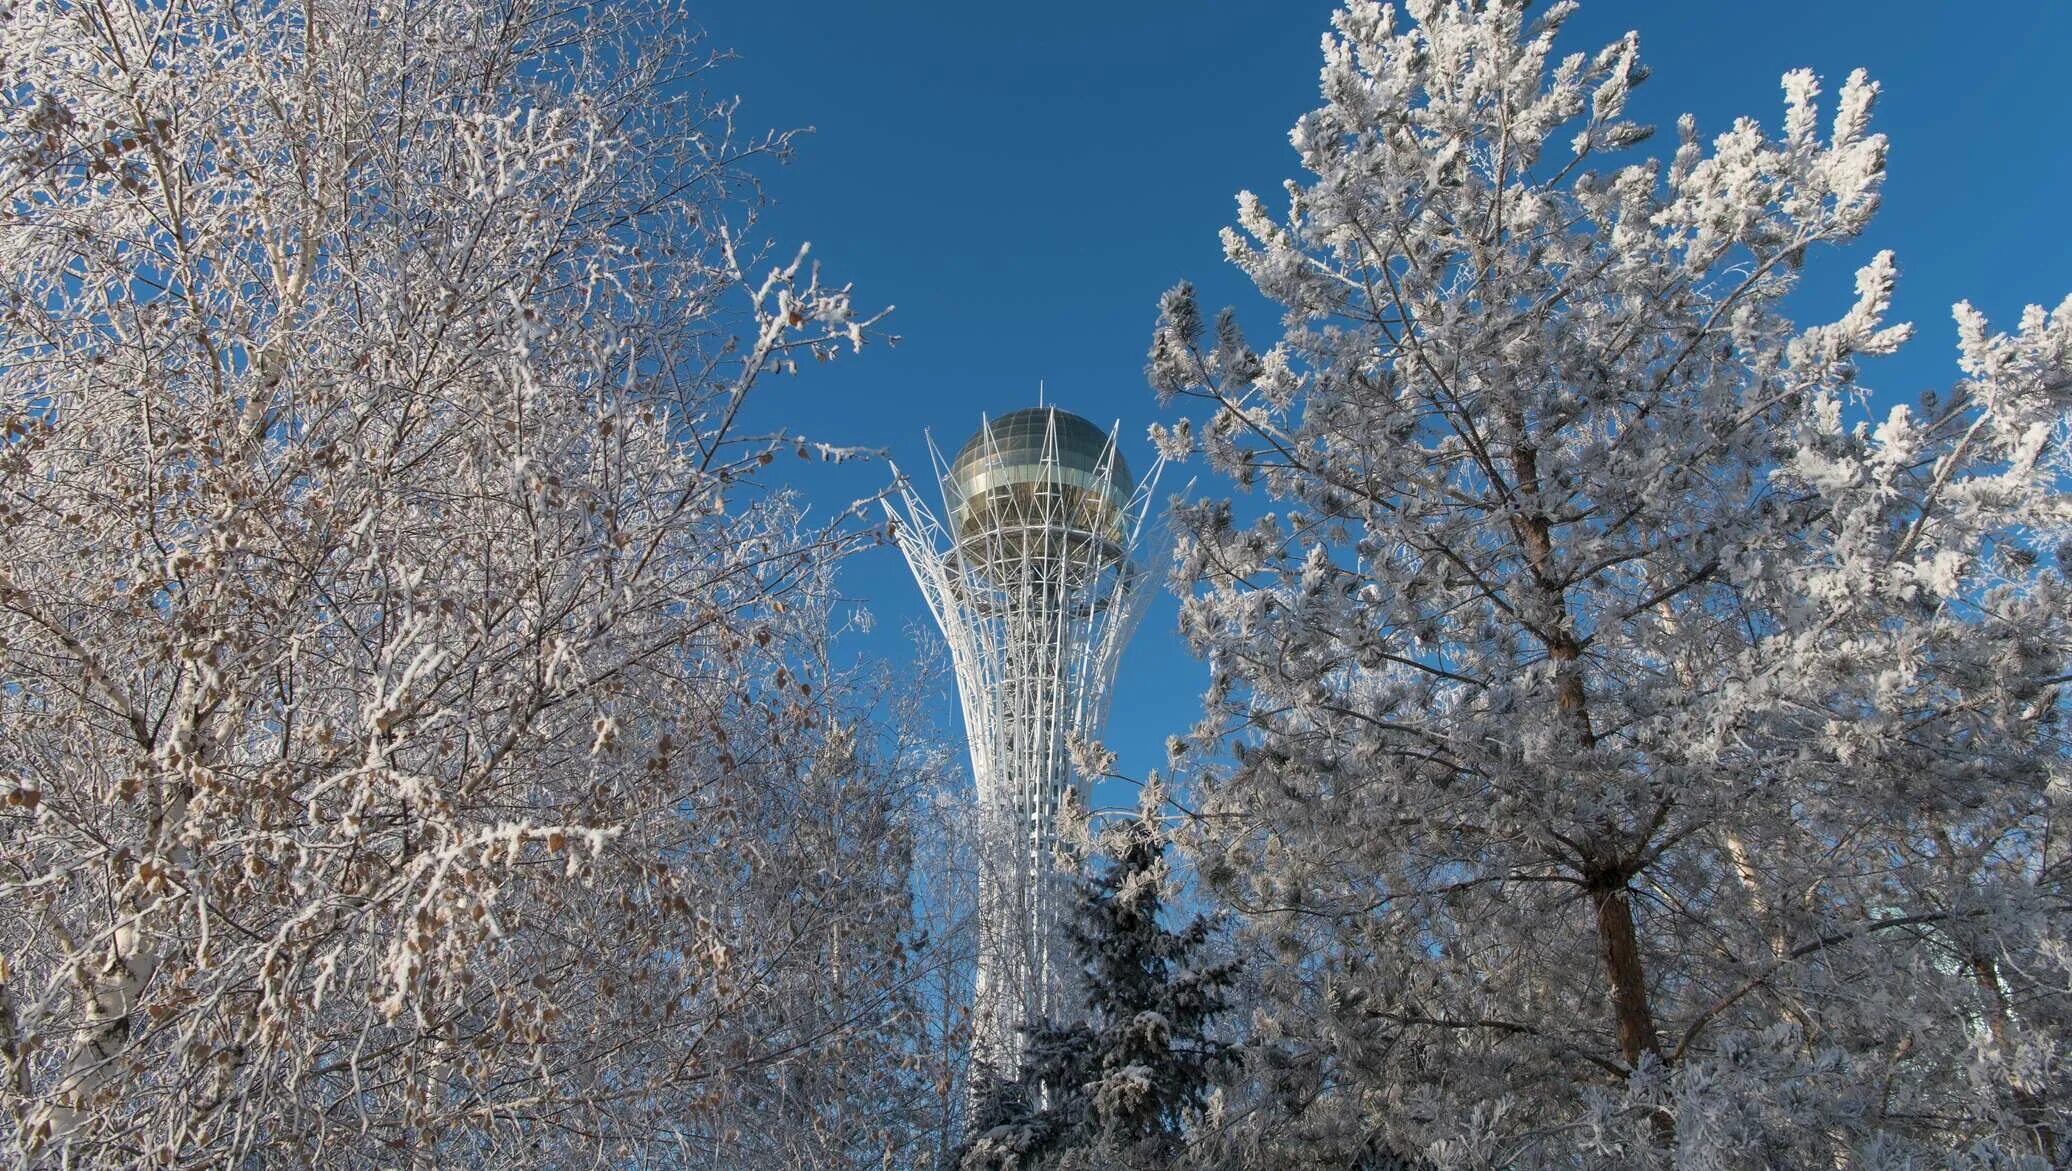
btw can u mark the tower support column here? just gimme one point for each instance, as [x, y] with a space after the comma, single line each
[1036, 575]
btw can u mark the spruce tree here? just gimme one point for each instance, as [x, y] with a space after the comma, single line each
[1118, 1088]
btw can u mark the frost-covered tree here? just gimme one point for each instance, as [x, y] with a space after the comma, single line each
[410, 734]
[1122, 1087]
[1633, 741]
[947, 832]
[827, 1058]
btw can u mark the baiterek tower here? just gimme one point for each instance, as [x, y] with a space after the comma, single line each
[1032, 573]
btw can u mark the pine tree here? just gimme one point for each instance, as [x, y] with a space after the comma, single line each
[1119, 1088]
[1637, 743]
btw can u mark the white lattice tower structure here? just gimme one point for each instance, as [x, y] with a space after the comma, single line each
[1034, 576]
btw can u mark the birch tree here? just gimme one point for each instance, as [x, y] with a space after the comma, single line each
[1635, 743]
[402, 735]
[842, 1054]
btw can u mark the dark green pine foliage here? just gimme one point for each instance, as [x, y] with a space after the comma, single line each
[1119, 1089]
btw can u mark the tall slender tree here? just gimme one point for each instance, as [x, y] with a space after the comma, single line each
[1632, 747]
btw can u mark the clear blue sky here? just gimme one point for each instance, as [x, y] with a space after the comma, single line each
[1023, 181]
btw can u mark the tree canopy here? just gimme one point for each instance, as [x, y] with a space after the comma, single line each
[1626, 747]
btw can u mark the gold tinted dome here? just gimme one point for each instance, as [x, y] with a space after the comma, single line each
[1005, 476]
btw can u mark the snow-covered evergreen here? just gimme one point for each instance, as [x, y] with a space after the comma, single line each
[1626, 747]
[1125, 1086]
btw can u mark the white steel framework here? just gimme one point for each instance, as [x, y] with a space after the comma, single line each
[1035, 580]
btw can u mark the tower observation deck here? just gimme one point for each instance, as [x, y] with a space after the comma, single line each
[1034, 576]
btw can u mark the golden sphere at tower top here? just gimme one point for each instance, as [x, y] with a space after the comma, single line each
[1008, 478]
